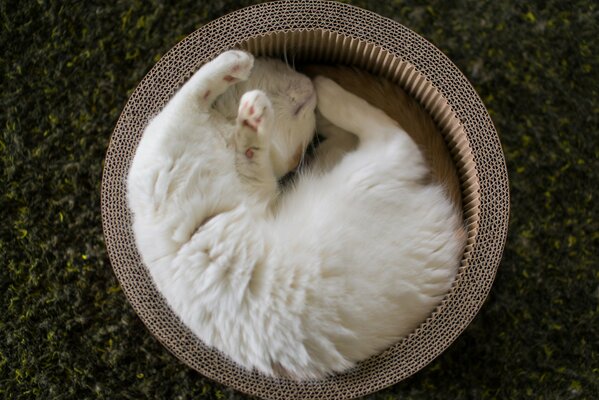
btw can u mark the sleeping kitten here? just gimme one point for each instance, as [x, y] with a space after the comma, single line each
[352, 258]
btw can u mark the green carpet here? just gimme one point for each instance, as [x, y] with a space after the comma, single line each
[66, 329]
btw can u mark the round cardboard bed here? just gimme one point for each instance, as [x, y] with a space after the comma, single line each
[317, 31]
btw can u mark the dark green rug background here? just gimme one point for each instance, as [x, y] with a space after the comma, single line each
[66, 329]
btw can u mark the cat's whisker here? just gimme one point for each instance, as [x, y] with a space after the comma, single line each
[285, 55]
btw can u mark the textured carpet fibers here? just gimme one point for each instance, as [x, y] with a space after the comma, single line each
[66, 329]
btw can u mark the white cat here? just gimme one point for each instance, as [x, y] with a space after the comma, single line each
[302, 284]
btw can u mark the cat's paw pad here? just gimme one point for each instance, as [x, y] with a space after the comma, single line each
[239, 65]
[255, 111]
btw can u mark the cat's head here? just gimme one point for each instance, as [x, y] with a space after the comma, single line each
[294, 101]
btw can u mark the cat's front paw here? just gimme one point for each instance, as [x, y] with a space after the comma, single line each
[254, 119]
[238, 65]
[255, 111]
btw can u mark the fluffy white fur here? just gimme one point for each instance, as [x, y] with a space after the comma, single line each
[306, 283]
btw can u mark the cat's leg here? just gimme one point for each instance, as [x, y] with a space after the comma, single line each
[351, 113]
[255, 120]
[214, 78]
[337, 142]
[372, 127]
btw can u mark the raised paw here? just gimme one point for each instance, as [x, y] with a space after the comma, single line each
[237, 65]
[215, 77]
[255, 111]
[254, 121]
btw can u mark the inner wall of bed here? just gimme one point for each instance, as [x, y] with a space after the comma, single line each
[326, 47]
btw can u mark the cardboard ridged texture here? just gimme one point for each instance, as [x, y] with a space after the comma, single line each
[315, 31]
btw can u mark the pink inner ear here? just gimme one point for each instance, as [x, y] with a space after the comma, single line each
[249, 153]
